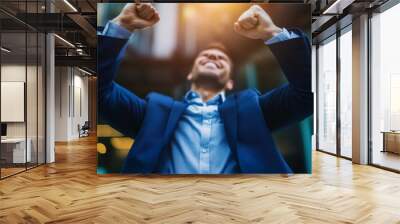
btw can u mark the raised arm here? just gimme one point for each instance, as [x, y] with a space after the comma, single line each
[291, 102]
[119, 107]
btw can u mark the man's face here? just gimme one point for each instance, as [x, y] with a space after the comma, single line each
[212, 69]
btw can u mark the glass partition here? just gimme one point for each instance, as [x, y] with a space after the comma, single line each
[14, 145]
[22, 89]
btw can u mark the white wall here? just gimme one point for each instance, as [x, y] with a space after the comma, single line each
[61, 103]
[71, 94]
[16, 73]
[33, 127]
[80, 110]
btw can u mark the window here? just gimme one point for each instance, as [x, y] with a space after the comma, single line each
[385, 89]
[346, 93]
[327, 96]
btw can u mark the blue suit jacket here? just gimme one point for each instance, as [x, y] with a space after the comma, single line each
[249, 117]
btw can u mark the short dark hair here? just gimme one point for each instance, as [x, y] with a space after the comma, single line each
[219, 46]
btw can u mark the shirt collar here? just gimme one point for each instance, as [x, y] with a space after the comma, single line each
[194, 97]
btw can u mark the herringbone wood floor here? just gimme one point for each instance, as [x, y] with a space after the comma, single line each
[69, 191]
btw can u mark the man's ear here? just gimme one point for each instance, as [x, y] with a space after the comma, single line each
[189, 77]
[229, 85]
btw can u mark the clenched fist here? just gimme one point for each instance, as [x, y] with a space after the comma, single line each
[255, 23]
[137, 16]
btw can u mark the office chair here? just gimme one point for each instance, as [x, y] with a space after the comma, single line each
[84, 130]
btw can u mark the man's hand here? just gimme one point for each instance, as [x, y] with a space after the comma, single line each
[255, 23]
[137, 16]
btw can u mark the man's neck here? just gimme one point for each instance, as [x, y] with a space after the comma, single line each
[205, 94]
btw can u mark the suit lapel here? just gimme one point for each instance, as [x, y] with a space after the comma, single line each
[228, 112]
[176, 112]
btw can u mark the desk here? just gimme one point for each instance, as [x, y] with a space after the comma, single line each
[391, 141]
[13, 150]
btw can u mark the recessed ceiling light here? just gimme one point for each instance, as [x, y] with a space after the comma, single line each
[5, 49]
[70, 5]
[65, 41]
[337, 7]
[84, 71]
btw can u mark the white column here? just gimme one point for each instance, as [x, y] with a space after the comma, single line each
[50, 99]
[314, 90]
[360, 90]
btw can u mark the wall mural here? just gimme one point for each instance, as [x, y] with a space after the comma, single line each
[204, 88]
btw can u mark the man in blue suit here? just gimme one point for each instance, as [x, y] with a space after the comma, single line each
[206, 132]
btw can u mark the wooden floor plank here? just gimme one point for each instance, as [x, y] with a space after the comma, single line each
[70, 191]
